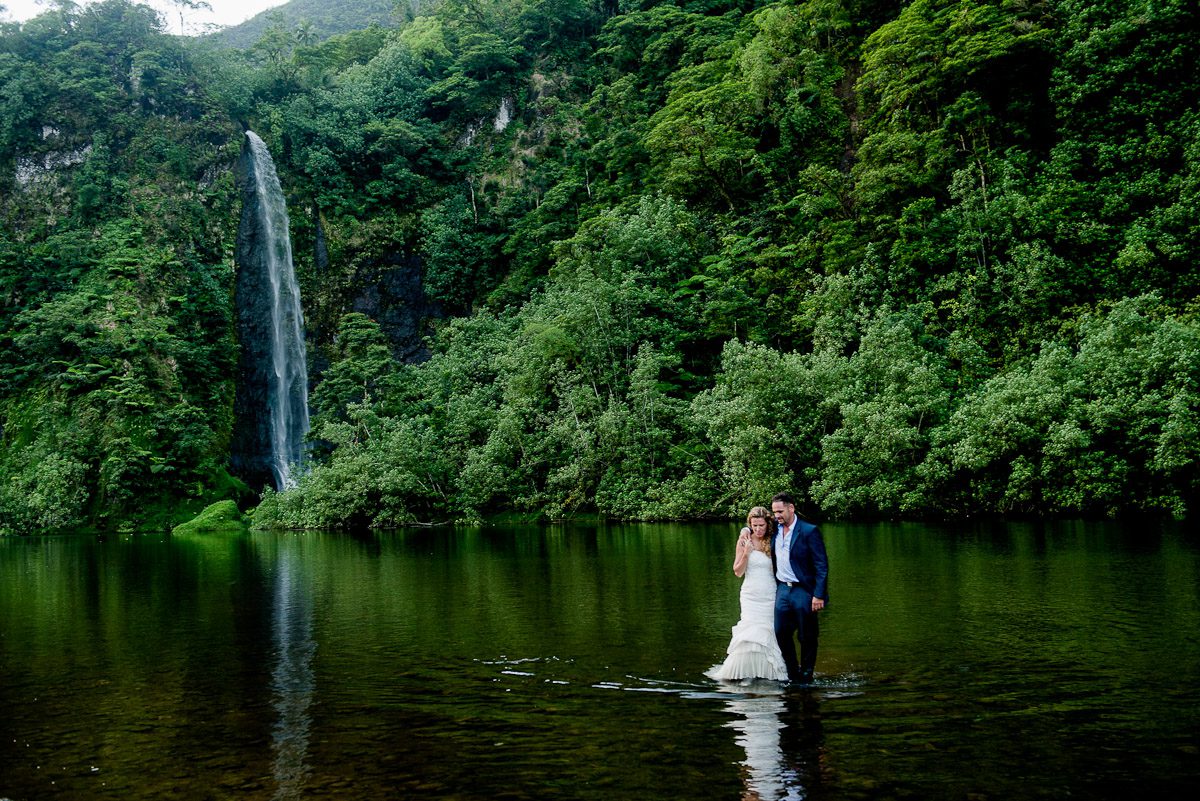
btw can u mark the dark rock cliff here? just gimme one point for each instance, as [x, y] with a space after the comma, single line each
[250, 448]
[392, 295]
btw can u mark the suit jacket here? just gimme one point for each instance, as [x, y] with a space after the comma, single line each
[809, 560]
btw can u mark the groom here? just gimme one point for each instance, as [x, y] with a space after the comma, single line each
[801, 570]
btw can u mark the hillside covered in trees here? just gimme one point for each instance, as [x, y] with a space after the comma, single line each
[937, 258]
[313, 20]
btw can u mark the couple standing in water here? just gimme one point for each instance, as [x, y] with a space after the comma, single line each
[782, 559]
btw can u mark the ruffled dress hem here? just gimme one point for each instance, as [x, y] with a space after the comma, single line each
[747, 664]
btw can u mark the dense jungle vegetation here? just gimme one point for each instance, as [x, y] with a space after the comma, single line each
[924, 258]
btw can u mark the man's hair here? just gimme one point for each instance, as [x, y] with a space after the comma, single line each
[784, 498]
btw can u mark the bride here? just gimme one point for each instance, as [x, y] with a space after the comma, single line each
[753, 652]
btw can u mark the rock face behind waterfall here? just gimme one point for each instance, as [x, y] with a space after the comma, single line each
[250, 449]
[390, 292]
[270, 407]
[386, 287]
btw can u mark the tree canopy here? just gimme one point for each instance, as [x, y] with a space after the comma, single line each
[906, 259]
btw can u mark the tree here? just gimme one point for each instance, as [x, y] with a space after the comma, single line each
[359, 369]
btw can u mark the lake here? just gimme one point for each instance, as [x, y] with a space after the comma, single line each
[983, 661]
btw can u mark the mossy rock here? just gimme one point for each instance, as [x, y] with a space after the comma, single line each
[220, 516]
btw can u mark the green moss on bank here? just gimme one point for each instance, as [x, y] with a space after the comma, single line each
[220, 516]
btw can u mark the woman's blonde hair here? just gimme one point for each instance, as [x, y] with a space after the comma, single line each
[760, 513]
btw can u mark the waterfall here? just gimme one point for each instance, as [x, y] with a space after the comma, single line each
[287, 373]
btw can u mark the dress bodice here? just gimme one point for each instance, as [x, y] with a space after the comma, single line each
[760, 576]
[759, 563]
[758, 557]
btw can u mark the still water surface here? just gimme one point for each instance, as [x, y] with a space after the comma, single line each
[997, 662]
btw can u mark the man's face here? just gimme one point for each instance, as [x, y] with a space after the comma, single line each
[784, 512]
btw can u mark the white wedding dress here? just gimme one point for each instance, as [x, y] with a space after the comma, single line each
[753, 652]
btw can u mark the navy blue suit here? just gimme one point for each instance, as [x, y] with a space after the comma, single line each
[794, 615]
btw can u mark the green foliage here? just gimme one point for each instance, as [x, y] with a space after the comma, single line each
[935, 257]
[222, 516]
[702, 151]
[359, 369]
[115, 349]
[425, 38]
[890, 395]
[130, 364]
[386, 472]
[941, 77]
[575, 398]
[45, 486]
[882, 194]
[320, 19]
[1121, 179]
[1107, 425]
[762, 420]
[455, 251]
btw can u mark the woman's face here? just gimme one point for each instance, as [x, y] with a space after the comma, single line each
[758, 526]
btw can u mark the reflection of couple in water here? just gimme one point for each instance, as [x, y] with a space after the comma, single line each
[782, 737]
[785, 584]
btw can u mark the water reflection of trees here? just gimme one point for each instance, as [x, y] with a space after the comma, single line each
[781, 736]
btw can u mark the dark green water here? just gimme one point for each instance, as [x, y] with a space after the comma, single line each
[1014, 662]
